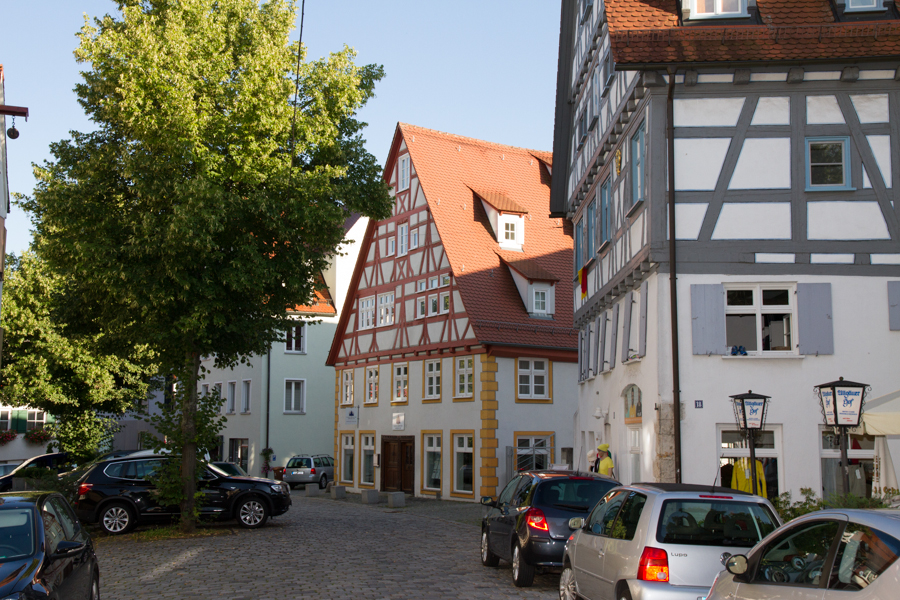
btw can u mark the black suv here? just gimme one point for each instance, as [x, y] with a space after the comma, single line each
[118, 494]
[528, 524]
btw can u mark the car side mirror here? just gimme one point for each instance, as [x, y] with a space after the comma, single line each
[67, 548]
[488, 501]
[737, 564]
[576, 522]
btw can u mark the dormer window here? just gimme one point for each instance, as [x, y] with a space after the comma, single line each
[721, 9]
[540, 301]
[509, 232]
[863, 5]
[404, 174]
[536, 285]
[506, 218]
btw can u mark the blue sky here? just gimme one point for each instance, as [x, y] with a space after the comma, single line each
[484, 69]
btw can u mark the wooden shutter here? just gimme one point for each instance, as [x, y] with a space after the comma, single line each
[626, 326]
[642, 331]
[596, 344]
[601, 342]
[894, 305]
[816, 329]
[19, 420]
[708, 318]
[615, 336]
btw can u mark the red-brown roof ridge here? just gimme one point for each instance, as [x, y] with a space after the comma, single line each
[412, 129]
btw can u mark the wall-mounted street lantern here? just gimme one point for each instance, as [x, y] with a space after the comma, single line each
[750, 416]
[842, 404]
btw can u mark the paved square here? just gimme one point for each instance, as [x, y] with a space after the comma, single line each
[321, 548]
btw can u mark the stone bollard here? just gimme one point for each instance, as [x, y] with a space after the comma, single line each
[370, 497]
[313, 489]
[396, 499]
[338, 492]
[328, 486]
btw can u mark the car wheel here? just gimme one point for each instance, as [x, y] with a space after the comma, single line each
[323, 483]
[95, 588]
[624, 593]
[252, 512]
[116, 519]
[567, 587]
[488, 558]
[522, 572]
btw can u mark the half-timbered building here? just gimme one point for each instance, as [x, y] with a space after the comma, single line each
[455, 355]
[730, 168]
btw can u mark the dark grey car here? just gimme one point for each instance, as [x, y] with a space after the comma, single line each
[309, 468]
[651, 541]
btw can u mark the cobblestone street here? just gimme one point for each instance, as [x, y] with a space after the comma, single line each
[322, 548]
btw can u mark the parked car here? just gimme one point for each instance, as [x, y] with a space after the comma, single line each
[118, 494]
[309, 468]
[5, 469]
[230, 468]
[528, 524]
[659, 540]
[44, 550]
[57, 462]
[826, 555]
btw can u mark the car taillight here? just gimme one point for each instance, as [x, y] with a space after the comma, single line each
[654, 565]
[312, 471]
[535, 519]
[84, 488]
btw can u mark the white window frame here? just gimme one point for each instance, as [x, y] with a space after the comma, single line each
[433, 283]
[400, 393]
[391, 246]
[509, 231]
[34, 419]
[871, 6]
[776, 453]
[433, 379]
[232, 392]
[372, 385]
[420, 285]
[413, 238]
[434, 305]
[347, 387]
[295, 385]
[403, 174]
[467, 447]
[718, 12]
[445, 280]
[403, 239]
[465, 376]
[759, 310]
[386, 309]
[540, 301]
[531, 446]
[421, 307]
[367, 312]
[290, 341]
[348, 448]
[367, 450]
[444, 303]
[634, 453]
[432, 445]
[218, 388]
[245, 396]
[532, 373]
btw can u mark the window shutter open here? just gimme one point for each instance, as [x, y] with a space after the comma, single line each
[601, 343]
[894, 305]
[19, 421]
[615, 336]
[642, 331]
[626, 326]
[814, 319]
[708, 318]
[596, 344]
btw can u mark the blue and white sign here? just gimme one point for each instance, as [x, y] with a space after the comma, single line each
[754, 413]
[828, 404]
[849, 405]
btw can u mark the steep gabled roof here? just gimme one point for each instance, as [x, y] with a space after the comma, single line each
[646, 32]
[322, 303]
[449, 167]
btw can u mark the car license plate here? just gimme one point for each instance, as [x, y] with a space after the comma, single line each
[300, 472]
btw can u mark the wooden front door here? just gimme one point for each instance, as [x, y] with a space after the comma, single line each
[398, 463]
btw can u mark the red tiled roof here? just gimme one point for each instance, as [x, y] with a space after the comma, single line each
[449, 167]
[647, 32]
[501, 202]
[528, 269]
[322, 303]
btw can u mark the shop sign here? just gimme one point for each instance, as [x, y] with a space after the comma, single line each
[849, 405]
[754, 411]
[828, 403]
[398, 422]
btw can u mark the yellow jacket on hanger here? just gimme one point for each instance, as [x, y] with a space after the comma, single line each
[742, 480]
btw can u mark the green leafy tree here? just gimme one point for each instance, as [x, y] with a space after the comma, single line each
[79, 378]
[209, 197]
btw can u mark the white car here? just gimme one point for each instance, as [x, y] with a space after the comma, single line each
[825, 555]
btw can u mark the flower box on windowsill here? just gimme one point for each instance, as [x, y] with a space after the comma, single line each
[634, 358]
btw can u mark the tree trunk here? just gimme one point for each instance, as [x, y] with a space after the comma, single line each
[189, 435]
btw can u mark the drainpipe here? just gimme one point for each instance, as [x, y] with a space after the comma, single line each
[268, 390]
[673, 295]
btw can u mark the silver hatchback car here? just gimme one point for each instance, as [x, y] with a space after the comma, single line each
[652, 541]
[825, 555]
[309, 468]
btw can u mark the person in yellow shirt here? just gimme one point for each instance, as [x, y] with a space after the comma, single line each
[742, 479]
[604, 464]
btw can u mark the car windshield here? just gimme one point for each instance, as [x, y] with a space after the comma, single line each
[304, 463]
[229, 468]
[16, 534]
[580, 494]
[221, 472]
[712, 522]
